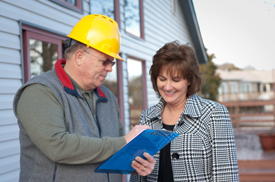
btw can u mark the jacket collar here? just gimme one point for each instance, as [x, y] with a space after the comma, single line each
[68, 85]
[192, 108]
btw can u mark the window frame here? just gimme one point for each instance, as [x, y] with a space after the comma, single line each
[120, 91]
[29, 32]
[78, 7]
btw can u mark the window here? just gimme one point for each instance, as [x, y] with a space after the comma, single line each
[258, 87]
[111, 81]
[103, 7]
[106, 7]
[137, 89]
[75, 5]
[223, 88]
[264, 88]
[115, 86]
[249, 88]
[41, 50]
[233, 87]
[271, 87]
[134, 17]
[43, 56]
[246, 88]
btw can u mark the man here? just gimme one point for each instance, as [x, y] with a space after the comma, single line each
[69, 123]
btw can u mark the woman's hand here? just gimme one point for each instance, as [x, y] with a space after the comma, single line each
[144, 167]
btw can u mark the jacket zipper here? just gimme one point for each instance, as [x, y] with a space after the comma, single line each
[94, 115]
[54, 173]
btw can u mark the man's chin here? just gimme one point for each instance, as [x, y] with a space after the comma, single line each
[99, 83]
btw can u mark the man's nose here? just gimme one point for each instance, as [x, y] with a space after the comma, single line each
[109, 67]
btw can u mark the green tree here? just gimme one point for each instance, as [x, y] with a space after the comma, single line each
[211, 80]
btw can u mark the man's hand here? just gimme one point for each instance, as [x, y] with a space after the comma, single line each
[134, 132]
[144, 167]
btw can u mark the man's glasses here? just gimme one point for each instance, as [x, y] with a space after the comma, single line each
[104, 62]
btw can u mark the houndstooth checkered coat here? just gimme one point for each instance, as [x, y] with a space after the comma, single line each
[205, 147]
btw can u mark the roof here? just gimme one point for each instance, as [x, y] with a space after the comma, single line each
[191, 19]
[262, 76]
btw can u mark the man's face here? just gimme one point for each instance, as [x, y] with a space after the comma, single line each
[94, 68]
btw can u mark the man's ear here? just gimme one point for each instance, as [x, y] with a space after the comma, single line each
[79, 57]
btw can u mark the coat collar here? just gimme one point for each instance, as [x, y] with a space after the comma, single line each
[192, 108]
[68, 85]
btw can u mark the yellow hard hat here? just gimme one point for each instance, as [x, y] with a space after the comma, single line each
[99, 32]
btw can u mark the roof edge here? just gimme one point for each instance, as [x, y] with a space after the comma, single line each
[193, 26]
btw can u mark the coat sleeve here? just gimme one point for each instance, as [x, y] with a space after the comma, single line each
[225, 164]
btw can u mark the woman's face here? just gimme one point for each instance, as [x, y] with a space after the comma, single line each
[173, 88]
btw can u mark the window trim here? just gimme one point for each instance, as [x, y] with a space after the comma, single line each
[116, 10]
[120, 91]
[29, 32]
[78, 8]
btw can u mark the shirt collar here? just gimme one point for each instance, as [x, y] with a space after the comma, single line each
[78, 87]
[69, 85]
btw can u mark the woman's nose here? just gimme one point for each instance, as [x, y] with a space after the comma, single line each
[168, 86]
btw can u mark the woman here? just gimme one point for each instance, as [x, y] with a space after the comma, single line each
[205, 149]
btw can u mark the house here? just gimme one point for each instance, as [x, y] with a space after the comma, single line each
[248, 95]
[32, 35]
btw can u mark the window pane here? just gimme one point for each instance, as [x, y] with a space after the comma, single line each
[135, 85]
[132, 17]
[111, 82]
[71, 2]
[105, 7]
[43, 56]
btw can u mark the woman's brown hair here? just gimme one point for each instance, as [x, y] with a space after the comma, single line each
[177, 59]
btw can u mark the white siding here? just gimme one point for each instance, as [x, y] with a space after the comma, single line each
[160, 26]
[7, 118]
[11, 56]
[10, 176]
[11, 71]
[7, 165]
[40, 13]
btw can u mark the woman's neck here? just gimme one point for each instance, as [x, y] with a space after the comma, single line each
[172, 113]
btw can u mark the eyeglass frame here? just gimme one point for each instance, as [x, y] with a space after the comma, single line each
[102, 60]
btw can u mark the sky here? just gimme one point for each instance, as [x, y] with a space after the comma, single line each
[241, 32]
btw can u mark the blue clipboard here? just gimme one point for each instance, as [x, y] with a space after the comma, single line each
[150, 141]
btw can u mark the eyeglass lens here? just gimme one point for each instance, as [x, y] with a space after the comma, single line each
[107, 62]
